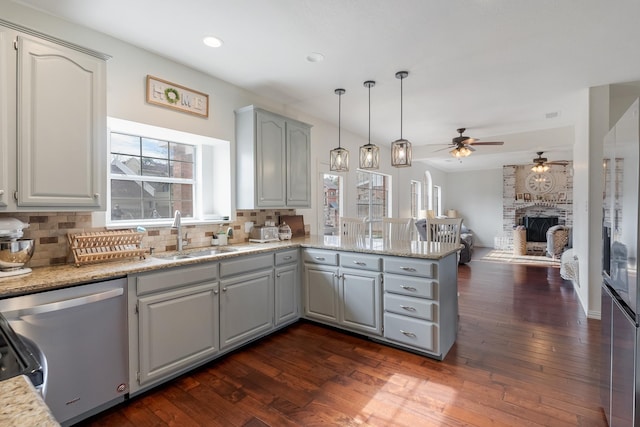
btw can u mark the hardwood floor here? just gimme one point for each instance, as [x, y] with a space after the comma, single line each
[526, 355]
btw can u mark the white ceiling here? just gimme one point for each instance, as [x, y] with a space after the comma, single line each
[496, 67]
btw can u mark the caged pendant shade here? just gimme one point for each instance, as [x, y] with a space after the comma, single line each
[401, 148]
[369, 153]
[339, 157]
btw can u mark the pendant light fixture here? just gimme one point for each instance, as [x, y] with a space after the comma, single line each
[401, 148]
[369, 153]
[339, 157]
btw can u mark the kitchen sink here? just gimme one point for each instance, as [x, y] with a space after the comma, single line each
[197, 254]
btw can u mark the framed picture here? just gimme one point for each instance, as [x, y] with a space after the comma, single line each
[562, 195]
[527, 196]
[519, 196]
[172, 95]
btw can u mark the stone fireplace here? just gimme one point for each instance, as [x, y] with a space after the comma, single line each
[527, 195]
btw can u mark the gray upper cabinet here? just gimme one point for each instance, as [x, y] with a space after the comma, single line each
[273, 160]
[54, 127]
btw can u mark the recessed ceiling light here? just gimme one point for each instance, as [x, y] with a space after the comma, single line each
[212, 41]
[315, 57]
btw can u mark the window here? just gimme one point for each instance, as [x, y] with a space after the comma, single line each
[437, 200]
[332, 202]
[373, 199]
[416, 198]
[155, 171]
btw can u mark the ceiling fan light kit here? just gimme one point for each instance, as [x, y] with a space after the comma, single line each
[401, 148]
[541, 165]
[339, 157]
[369, 153]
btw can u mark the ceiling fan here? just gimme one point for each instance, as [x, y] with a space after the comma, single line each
[540, 164]
[463, 145]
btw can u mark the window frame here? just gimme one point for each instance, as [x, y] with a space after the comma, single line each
[207, 179]
[374, 224]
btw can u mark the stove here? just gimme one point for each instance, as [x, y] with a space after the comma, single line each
[16, 358]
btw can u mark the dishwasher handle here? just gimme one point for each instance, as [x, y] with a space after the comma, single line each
[63, 304]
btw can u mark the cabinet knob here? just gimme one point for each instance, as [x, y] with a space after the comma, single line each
[96, 195]
[278, 275]
[215, 292]
[224, 289]
[1, 192]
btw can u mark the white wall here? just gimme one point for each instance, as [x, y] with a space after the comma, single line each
[477, 196]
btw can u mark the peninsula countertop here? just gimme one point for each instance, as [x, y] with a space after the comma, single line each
[60, 276]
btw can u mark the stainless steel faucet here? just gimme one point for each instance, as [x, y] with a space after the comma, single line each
[177, 223]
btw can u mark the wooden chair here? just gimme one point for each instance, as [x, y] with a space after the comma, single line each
[397, 228]
[352, 230]
[444, 230]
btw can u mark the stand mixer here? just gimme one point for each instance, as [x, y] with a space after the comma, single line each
[15, 252]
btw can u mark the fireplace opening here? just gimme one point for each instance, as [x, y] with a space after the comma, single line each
[537, 227]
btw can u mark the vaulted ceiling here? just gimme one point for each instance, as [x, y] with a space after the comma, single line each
[500, 68]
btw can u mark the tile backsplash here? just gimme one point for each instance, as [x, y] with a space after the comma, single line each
[50, 229]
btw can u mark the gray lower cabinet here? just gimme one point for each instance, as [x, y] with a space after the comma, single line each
[421, 303]
[348, 297]
[287, 284]
[173, 322]
[246, 299]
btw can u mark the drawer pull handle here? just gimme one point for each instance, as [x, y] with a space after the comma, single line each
[408, 269]
[408, 334]
[408, 288]
[359, 263]
[408, 308]
[319, 258]
[287, 257]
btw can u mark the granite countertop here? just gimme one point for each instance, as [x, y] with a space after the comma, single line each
[22, 406]
[49, 278]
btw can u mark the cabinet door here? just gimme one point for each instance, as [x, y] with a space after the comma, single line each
[298, 165]
[286, 293]
[360, 301]
[7, 113]
[246, 307]
[61, 126]
[270, 165]
[176, 329]
[321, 293]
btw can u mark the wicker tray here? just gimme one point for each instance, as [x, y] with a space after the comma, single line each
[104, 246]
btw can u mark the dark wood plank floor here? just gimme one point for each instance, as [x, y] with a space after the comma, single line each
[526, 355]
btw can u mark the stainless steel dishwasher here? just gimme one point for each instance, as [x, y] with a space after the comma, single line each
[82, 332]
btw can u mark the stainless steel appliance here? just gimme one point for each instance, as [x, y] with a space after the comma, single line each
[263, 233]
[82, 332]
[18, 356]
[620, 341]
[15, 252]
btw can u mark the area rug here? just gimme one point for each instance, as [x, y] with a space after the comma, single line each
[497, 255]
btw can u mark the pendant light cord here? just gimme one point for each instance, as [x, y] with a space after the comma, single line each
[339, 116]
[401, 103]
[369, 87]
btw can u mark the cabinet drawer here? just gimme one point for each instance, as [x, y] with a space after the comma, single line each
[410, 306]
[413, 267]
[321, 257]
[360, 261]
[413, 286]
[286, 257]
[410, 331]
[245, 264]
[173, 278]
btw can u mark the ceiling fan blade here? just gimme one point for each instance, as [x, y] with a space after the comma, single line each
[489, 143]
[448, 147]
[470, 148]
[558, 162]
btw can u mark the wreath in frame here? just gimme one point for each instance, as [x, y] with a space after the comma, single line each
[172, 96]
